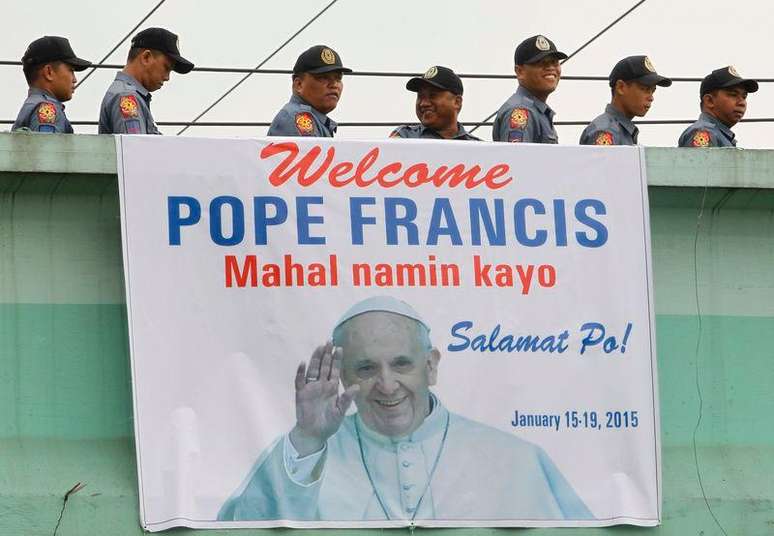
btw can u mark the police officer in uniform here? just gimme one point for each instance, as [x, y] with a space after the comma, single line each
[723, 95]
[125, 109]
[633, 82]
[525, 117]
[48, 64]
[439, 101]
[317, 87]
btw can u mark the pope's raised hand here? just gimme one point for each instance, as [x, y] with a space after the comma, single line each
[320, 408]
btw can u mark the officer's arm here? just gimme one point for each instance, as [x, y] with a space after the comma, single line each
[47, 118]
[293, 124]
[519, 125]
[126, 115]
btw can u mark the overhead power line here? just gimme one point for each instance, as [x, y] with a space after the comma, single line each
[584, 45]
[248, 75]
[605, 29]
[121, 42]
[386, 74]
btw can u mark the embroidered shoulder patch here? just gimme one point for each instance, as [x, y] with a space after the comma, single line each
[701, 139]
[305, 123]
[47, 113]
[128, 106]
[519, 118]
[604, 138]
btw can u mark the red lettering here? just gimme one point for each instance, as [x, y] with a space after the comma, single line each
[301, 167]
[233, 272]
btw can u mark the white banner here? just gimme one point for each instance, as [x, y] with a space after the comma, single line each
[389, 333]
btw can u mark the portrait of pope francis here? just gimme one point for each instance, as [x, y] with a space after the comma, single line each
[401, 455]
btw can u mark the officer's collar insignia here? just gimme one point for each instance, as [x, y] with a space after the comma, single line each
[733, 72]
[542, 43]
[328, 56]
[648, 64]
[431, 72]
[47, 113]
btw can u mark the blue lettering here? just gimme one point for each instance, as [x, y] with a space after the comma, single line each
[357, 220]
[601, 231]
[176, 219]
[479, 213]
[519, 217]
[263, 220]
[237, 220]
[463, 325]
[442, 211]
[304, 220]
[393, 221]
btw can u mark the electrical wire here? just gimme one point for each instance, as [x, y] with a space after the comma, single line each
[248, 75]
[121, 42]
[697, 355]
[384, 74]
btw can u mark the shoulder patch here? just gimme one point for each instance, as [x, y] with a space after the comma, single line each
[47, 113]
[129, 107]
[701, 138]
[519, 118]
[604, 138]
[304, 123]
[395, 133]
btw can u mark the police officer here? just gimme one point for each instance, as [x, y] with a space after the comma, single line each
[525, 117]
[317, 87]
[125, 108]
[48, 64]
[439, 101]
[723, 95]
[633, 82]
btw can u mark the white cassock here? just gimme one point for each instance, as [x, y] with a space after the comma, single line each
[483, 474]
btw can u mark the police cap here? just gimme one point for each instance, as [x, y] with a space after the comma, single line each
[52, 48]
[536, 48]
[726, 77]
[637, 69]
[319, 59]
[438, 76]
[164, 41]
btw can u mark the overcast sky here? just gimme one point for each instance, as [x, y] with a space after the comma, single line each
[682, 38]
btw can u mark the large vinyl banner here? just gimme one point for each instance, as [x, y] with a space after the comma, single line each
[389, 333]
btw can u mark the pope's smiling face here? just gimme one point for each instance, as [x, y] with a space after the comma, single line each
[389, 357]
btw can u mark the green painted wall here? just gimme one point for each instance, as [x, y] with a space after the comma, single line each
[65, 396]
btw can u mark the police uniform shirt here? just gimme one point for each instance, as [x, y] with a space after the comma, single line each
[298, 118]
[420, 131]
[524, 118]
[610, 128]
[42, 112]
[126, 108]
[708, 131]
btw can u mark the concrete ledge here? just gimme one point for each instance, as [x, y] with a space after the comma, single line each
[57, 153]
[728, 168]
[666, 166]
